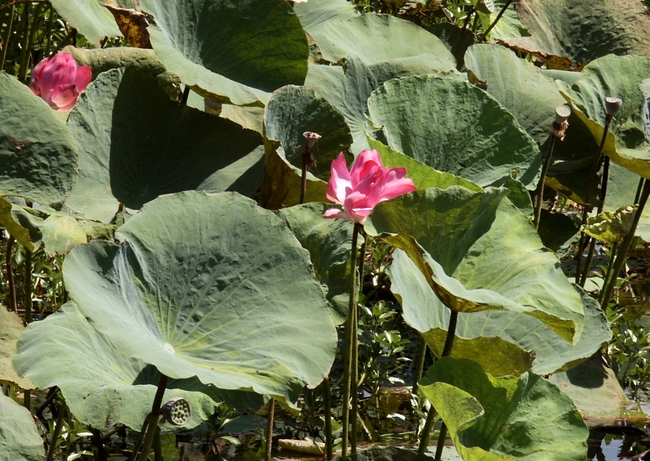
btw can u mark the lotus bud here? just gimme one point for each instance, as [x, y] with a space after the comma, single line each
[485, 6]
[58, 80]
[613, 105]
[176, 411]
[561, 123]
[311, 138]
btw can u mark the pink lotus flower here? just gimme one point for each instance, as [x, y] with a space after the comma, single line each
[366, 184]
[59, 81]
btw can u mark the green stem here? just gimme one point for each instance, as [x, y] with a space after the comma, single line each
[13, 303]
[595, 166]
[446, 351]
[349, 338]
[57, 431]
[420, 357]
[608, 273]
[329, 445]
[269, 430]
[22, 69]
[153, 419]
[621, 254]
[496, 20]
[542, 181]
[355, 351]
[157, 446]
[28, 286]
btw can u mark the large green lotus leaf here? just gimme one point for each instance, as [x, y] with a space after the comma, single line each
[90, 123]
[480, 252]
[294, 110]
[456, 127]
[141, 144]
[584, 30]
[38, 156]
[314, 14]
[234, 52]
[228, 296]
[509, 25]
[518, 85]
[349, 90]
[11, 327]
[611, 226]
[106, 387]
[503, 342]
[375, 38]
[423, 176]
[329, 242]
[144, 60]
[503, 419]
[19, 437]
[618, 76]
[89, 17]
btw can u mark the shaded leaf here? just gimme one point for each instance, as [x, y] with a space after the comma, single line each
[329, 242]
[232, 52]
[38, 156]
[230, 296]
[584, 30]
[504, 418]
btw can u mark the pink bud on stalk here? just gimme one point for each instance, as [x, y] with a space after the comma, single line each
[59, 81]
[363, 187]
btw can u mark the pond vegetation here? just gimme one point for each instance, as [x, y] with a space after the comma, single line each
[375, 229]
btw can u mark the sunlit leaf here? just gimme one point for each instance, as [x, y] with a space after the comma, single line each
[228, 295]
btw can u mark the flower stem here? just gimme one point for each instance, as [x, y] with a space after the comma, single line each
[542, 181]
[350, 344]
[329, 450]
[503, 10]
[269, 430]
[621, 254]
[426, 433]
[153, 419]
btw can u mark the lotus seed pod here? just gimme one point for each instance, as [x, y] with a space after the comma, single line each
[311, 138]
[562, 113]
[613, 105]
[485, 6]
[176, 411]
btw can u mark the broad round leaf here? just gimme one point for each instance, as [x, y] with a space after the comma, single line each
[89, 17]
[61, 233]
[454, 127]
[585, 30]
[503, 342]
[504, 419]
[211, 286]
[38, 156]
[22, 226]
[329, 242]
[479, 252]
[106, 387]
[350, 90]
[293, 110]
[235, 52]
[314, 14]
[375, 38]
[518, 85]
[19, 437]
[144, 145]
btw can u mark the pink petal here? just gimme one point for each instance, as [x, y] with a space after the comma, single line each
[363, 165]
[83, 78]
[64, 97]
[335, 213]
[339, 182]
